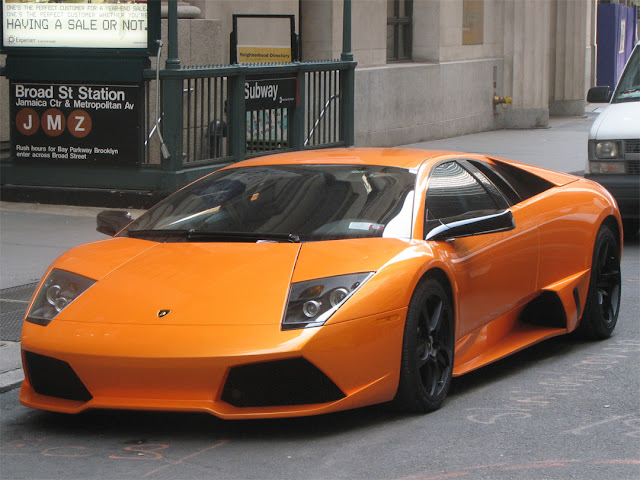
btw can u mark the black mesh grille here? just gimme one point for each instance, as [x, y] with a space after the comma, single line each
[54, 378]
[633, 167]
[632, 146]
[278, 383]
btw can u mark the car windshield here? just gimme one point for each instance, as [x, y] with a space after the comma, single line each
[285, 203]
[629, 85]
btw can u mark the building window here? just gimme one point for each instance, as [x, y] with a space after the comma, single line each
[399, 17]
[472, 22]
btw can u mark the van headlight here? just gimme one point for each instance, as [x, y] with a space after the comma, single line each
[312, 303]
[56, 293]
[607, 149]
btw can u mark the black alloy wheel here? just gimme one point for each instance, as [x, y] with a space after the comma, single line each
[603, 299]
[427, 350]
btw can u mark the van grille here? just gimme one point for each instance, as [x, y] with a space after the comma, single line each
[632, 146]
[632, 167]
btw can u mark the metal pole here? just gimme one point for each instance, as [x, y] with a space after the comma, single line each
[173, 62]
[348, 79]
[237, 117]
[172, 106]
[346, 55]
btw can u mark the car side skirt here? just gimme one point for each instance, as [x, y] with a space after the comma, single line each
[555, 311]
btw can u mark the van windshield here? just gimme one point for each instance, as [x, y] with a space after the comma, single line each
[629, 85]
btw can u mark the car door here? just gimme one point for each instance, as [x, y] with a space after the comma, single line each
[494, 272]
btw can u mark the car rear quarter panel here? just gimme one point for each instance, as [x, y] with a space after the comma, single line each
[569, 218]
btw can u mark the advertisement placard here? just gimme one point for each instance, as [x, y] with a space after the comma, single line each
[86, 123]
[80, 25]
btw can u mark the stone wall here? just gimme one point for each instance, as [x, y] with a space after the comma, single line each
[412, 102]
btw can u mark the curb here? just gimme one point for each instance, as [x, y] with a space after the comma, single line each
[11, 373]
[11, 379]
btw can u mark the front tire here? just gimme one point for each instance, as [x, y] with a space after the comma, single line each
[603, 299]
[427, 349]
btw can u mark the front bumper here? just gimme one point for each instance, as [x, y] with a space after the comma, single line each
[625, 189]
[202, 368]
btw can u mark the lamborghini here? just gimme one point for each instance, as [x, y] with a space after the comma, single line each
[309, 282]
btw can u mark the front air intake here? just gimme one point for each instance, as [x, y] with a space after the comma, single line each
[54, 378]
[282, 382]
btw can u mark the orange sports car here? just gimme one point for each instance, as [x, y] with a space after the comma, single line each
[311, 282]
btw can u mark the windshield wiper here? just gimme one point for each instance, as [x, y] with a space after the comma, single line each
[195, 235]
[201, 236]
[156, 233]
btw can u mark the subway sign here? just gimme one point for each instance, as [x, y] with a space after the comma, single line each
[268, 93]
[85, 123]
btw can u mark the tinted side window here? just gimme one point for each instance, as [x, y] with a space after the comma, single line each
[507, 191]
[453, 192]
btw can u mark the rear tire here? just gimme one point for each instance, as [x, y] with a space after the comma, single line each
[427, 349]
[603, 298]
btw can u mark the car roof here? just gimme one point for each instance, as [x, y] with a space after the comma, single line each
[409, 158]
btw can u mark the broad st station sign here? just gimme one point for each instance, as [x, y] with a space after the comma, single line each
[76, 122]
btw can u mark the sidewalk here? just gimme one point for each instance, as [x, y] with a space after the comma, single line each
[32, 236]
[562, 146]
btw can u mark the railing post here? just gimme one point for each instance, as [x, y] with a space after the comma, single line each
[172, 105]
[237, 116]
[297, 134]
[347, 80]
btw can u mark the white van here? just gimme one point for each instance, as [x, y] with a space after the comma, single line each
[614, 142]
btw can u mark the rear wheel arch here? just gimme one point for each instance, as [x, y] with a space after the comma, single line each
[602, 304]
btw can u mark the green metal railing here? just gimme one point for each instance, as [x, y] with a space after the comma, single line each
[205, 126]
[203, 121]
[218, 130]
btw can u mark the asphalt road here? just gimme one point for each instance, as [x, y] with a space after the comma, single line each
[565, 408]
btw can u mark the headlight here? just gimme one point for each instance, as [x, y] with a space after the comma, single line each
[311, 303]
[606, 167]
[57, 292]
[607, 149]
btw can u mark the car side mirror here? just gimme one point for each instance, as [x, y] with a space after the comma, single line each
[499, 222]
[599, 95]
[111, 222]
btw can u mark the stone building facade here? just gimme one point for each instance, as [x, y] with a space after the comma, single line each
[455, 56]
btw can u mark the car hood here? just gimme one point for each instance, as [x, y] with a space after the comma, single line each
[206, 283]
[618, 121]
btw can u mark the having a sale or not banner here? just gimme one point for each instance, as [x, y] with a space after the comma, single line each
[76, 122]
[74, 24]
